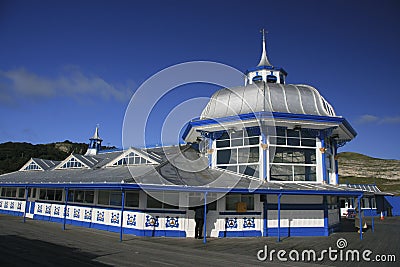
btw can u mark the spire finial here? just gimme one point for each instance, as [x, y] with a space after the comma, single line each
[94, 144]
[96, 133]
[264, 59]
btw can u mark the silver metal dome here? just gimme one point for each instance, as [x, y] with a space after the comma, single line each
[286, 98]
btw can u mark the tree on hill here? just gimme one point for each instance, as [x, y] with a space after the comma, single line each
[14, 155]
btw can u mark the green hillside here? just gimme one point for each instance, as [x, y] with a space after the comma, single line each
[14, 155]
[355, 168]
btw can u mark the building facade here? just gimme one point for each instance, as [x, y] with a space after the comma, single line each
[262, 161]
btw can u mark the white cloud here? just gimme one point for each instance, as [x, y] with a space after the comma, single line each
[391, 120]
[367, 119]
[71, 83]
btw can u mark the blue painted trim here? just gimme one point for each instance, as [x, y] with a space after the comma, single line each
[27, 207]
[269, 115]
[266, 68]
[250, 233]
[239, 213]
[162, 233]
[323, 156]
[12, 212]
[326, 216]
[370, 212]
[32, 211]
[336, 161]
[205, 219]
[196, 189]
[298, 231]
[187, 130]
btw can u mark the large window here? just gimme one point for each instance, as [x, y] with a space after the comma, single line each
[232, 200]
[110, 198]
[368, 203]
[21, 192]
[163, 200]
[113, 198]
[131, 159]
[50, 194]
[9, 192]
[32, 167]
[132, 199]
[73, 163]
[197, 199]
[239, 152]
[292, 155]
[81, 196]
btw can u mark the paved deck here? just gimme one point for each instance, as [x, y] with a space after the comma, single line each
[39, 243]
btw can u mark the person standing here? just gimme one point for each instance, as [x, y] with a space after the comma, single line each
[199, 219]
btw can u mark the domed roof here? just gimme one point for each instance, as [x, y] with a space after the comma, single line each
[285, 98]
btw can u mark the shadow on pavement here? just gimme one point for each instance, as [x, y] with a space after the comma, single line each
[20, 251]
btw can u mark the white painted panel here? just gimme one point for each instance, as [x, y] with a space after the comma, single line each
[297, 218]
[57, 210]
[99, 216]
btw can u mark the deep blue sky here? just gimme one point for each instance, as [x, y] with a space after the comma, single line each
[66, 66]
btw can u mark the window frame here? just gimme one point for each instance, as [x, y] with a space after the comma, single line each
[290, 142]
[234, 142]
[46, 194]
[240, 198]
[163, 205]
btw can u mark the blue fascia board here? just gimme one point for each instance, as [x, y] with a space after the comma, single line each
[187, 130]
[266, 68]
[298, 231]
[126, 186]
[349, 127]
[265, 114]
[244, 233]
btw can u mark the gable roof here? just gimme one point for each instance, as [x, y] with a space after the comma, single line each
[141, 153]
[42, 164]
[78, 158]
